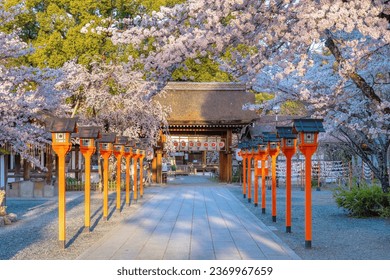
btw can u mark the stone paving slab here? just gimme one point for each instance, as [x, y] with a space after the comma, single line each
[196, 221]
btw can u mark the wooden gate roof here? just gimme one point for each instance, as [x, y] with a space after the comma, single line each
[207, 104]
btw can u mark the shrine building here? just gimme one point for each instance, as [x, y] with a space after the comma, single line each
[203, 121]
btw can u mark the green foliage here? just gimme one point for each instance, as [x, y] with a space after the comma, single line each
[154, 5]
[289, 107]
[294, 108]
[53, 28]
[263, 97]
[363, 200]
[201, 70]
[204, 69]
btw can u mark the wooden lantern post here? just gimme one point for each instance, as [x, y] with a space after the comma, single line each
[119, 152]
[106, 149]
[128, 155]
[263, 154]
[254, 144]
[87, 136]
[256, 182]
[288, 147]
[141, 172]
[61, 129]
[244, 156]
[273, 151]
[135, 157]
[249, 155]
[308, 130]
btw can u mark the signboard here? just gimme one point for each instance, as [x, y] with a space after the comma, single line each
[199, 144]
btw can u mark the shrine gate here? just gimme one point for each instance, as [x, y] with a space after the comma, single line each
[204, 117]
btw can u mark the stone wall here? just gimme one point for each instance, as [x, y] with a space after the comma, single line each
[30, 189]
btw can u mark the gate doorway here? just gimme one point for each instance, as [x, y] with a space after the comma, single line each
[203, 114]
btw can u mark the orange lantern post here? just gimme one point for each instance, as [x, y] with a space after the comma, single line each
[135, 157]
[128, 155]
[256, 157]
[288, 147]
[256, 183]
[106, 149]
[61, 128]
[141, 172]
[244, 156]
[87, 136]
[308, 130]
[119, 152]
[263, 153]
[250, 155]
[273, 151]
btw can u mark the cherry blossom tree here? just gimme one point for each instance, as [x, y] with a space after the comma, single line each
[332, 55]
[343, 75]
[116, 98]
[26, 94]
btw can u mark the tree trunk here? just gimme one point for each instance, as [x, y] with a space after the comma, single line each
[49, 166]
[377, 149]
[17, 167]
[77, 166]
[385, 182]
[26, 170]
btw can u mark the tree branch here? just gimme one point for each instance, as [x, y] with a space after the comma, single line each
[359, 81]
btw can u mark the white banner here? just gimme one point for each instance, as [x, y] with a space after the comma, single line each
[199, 144]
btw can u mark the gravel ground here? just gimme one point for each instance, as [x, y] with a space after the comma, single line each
[336, 236]
[35, 235]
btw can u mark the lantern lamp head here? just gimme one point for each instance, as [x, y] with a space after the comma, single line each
[106, 146]
[106, 142]
[263, 147]
[273, 145]
[287, 135]
[87, 135]
[272, 140]
[119, 148]
[61, 129]
[86, 142]
[60, 137]
[119, 145]
[129, 146]
[288, 142]
[308, 130]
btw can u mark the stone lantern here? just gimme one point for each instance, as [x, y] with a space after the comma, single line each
[307, 130]
[128, 155]
[119, 152]
[87, 136]
[61, 129]
[106, 149]
[288, 147]
[273, 151]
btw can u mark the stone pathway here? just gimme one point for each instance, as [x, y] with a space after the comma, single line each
[190, 218]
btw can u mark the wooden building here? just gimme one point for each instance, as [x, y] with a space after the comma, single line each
[206, 110]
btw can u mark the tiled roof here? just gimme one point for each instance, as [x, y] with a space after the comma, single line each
[58, 125]
[197, 104]
[308, 125]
